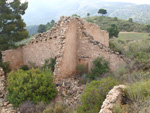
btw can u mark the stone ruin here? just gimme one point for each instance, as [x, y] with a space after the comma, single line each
[5, 106]
[72, 41]
[114, 97]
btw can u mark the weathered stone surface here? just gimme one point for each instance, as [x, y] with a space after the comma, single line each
[69, 91]
[5, 106]
[68, 41]
[114, 97]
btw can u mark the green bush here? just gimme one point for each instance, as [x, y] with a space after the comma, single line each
[117, 46]
[117, 109]
[139, 91]
[25, 67]
[49, 64]
[5, 67]
[100, 67]
[94, 95]
[33, 85]
[113, 31]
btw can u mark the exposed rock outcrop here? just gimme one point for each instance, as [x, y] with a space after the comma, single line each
[114, 97]
[5, 106]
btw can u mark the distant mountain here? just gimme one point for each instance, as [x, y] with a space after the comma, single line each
[32, 29]
[41, 13]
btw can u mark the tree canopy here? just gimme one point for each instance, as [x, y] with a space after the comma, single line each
[113, 31]
[43, 28]
[12, 26]
[102, 11]
[88, 14]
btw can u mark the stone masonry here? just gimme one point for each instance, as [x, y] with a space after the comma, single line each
[5, 106]
[72, 41]
[114, 97]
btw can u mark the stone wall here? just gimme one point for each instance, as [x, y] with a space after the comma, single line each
[114, 97]
[14, 56]
[5, 106]
[71, 41]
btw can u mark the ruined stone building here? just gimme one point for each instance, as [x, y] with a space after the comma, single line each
[72, 41]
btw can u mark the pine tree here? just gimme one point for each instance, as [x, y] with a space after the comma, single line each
[12, 26]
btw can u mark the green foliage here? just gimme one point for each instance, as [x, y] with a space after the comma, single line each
[139, 51]
[82, 69]
[58, 108]
[33, 85]
[100, 67]
[75, 15]
[88, 14]
[123, 25]
[12, 27]
[42, 28]
[94, 95]
[25, 67]
[117, 45]
[49, 64]
[113, 31]
[118, 109]
[5, 66]
[130, 20]
[148, 28]
[139, 91]
[115, 19]
[102, 11]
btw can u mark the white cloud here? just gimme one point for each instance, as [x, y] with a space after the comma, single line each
[132, 1]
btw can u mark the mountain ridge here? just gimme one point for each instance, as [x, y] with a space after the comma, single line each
[42, 13]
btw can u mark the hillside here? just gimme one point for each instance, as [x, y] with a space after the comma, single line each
[43, 12]
[124, 25]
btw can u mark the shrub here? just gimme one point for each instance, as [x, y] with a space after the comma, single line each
[49, 64]
[100, 67]
[58, 108]
[94, 95]
[117, 46]
[25, 67]
[113, 31]
[30, 107]
[82, 69]
[5, 67]
[139, 91]
[33, 85]
[118, 109]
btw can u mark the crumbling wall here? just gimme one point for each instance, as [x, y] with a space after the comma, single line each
[113, 98]
[99, 35]
[14, 56]
[39, 50]
[89, 48]
[71, 41]
[69, 60]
